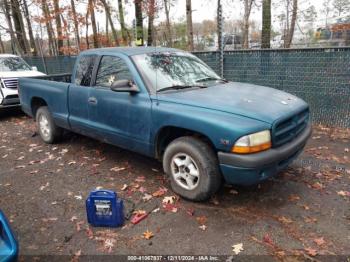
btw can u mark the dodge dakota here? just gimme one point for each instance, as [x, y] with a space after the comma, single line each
[168, 104]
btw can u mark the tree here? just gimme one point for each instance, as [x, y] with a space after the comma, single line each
[57, 13]
[109, 18]
[326, 10]
[341, 6]
[139, 23]
[122, 22]
[19, 26]
[190, 46]
[91, 7]
[247, 10]
[167, 5]
[151, 10]
[49, 29]
[266, 24]
[76, 24]
[14, 41]
[30, 30]
[290, 33]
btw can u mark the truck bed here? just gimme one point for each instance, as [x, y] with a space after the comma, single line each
[51, 90]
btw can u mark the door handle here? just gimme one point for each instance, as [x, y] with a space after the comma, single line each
[92, 100]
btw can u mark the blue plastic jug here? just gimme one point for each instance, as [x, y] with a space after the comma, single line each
[104, 209]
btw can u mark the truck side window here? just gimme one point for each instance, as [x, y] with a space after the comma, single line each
[83, 73]
[111, 69]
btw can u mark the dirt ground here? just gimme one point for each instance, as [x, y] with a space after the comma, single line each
[302, 213]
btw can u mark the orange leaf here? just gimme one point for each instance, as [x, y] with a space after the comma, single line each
[148, 234]
[310, 251]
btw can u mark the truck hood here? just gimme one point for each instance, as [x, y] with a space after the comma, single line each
[257, 102]
[17, 74]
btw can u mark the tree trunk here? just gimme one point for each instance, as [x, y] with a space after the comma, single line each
[266, 24]
[122, 22]
[190, 46]
[93, 23]
[19, 26]
[76, 24]
[247, 10]
[168, 24]
[56, 6]
[14, 41]
[87, 29]
[139, 23]
[2, 45]
[30, 30]
[109, 17]
[289, 38]
[46, 12]
[151, 12]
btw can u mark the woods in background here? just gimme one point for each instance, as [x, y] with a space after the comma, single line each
[65, 27]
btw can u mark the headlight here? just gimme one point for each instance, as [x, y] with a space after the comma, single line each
[253, 143]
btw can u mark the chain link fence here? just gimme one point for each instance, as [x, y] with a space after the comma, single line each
[321, 76]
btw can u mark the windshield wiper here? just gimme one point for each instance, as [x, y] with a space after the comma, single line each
[210, 78]
[178, 87]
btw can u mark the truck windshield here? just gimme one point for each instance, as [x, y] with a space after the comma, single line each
[8, 64]
[162, 71]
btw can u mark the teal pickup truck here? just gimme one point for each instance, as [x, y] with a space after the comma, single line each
[168, 104]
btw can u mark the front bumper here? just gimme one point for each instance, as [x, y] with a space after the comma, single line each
[253, 168]
[10, 102]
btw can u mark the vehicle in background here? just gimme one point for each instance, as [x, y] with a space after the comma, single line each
[168, 104]
[13, 67]
[8, 243]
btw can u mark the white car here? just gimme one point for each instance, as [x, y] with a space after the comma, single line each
[13, 67]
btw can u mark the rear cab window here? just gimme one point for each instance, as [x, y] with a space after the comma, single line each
[111, 69]
[84, 70]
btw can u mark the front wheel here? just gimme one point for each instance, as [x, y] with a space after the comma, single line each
[192, 167]
[49, 132]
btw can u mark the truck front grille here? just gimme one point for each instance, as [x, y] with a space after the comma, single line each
[10, 83]
[286, 130]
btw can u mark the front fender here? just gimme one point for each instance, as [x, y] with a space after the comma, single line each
[222, 128]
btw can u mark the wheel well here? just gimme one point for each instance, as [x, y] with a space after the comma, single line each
[36, 103]
[168, 134]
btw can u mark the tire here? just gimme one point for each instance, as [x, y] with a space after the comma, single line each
[189, 159]
[49, 132]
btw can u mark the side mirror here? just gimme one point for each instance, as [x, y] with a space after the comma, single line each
[34, 68]
[124, 86]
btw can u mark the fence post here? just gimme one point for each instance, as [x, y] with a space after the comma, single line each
[220, 38]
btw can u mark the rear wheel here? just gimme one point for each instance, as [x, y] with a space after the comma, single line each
[49, 132]
[192, 167]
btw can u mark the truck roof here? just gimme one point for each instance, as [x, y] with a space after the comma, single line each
[130, 51]
[8, 55]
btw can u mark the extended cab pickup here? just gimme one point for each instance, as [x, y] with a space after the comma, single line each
[168, 104]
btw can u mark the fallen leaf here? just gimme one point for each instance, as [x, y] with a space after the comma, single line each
[238, 248]
[156, 210]
[142, 189]
[160, 192]
[45, 186]
[168, 200]
[148, 234]
[78, 197]
[343, 193]
[71, 163]
[317, 186]
[140, 179]
[147, 197]
[51, 219]
[293, 197]
[310, 220]
[233, 192]
[170, 207]
[267, 239]
[319, 241]
[125, 186]
[203, 227]
[117, 169]
[202, 220]
[284, 220]
[78, 224]
[311, 252]
[73, 218]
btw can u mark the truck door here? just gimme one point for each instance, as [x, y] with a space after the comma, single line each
[79, 93]
[120, 118]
